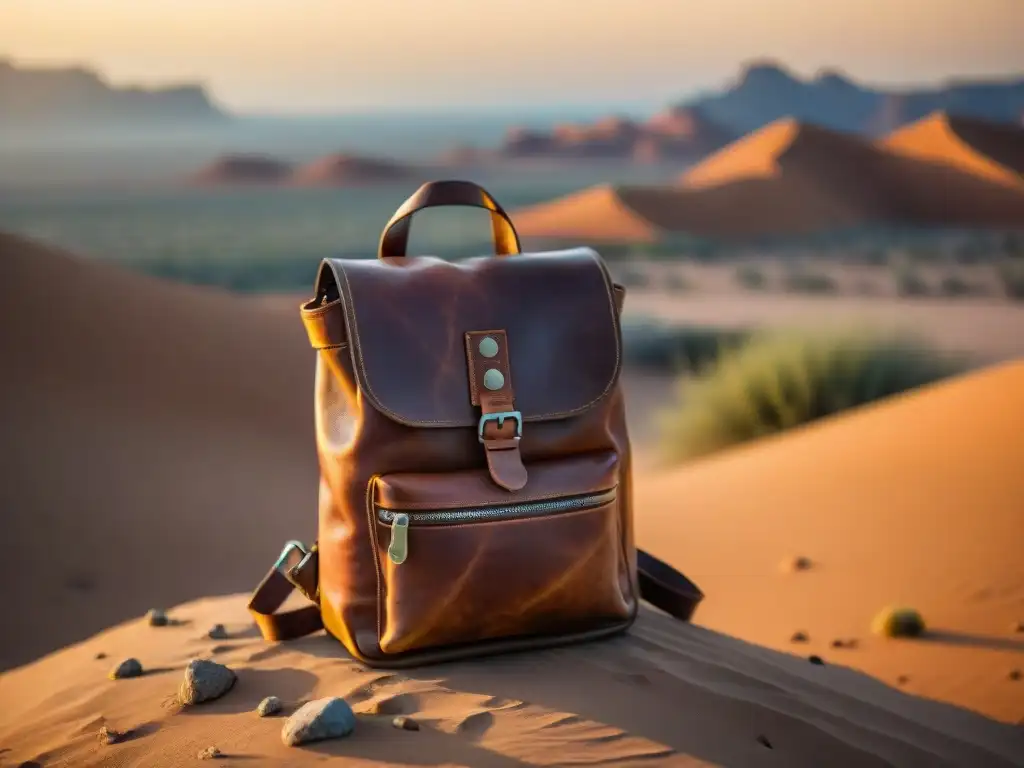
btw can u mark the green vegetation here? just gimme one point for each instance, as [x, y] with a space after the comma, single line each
[1011, 276]
[909, 282]
[806, 281]
[781, 380]
[898, 622]
[653, 345]
[751, 278]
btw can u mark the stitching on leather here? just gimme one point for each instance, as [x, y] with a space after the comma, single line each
[351, 315]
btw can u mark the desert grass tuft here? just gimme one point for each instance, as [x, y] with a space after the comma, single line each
[781, 380]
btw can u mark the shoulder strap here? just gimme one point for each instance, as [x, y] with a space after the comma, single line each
[661, 585]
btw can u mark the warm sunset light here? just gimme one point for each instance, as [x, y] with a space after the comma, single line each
[512, 383]
[331, 55]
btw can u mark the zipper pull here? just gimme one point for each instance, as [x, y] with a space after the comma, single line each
[399, 547]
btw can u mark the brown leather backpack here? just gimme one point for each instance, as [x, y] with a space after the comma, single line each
[475, 492]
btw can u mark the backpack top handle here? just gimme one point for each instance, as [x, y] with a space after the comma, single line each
[395, 239]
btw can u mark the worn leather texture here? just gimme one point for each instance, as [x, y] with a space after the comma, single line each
[399, 396]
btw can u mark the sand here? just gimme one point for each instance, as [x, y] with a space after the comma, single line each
[789, 178]
[159, 450]
[992, 150]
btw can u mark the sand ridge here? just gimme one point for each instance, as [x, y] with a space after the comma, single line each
[992, 150]
[788, 178]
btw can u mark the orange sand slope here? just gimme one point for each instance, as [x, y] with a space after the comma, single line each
[917, 501]
[667, 694]
[992, 150]
[157, 444]
[788, 178]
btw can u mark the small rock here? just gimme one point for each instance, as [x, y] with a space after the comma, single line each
[205, 680]
[217, 632]
[405, 723]
[1019, 626]
[798, 637]
[156, 618]
[1014, 674]
[902, 680]
[127, 668]
[799, 563]
[210, 753]
[898, 622]
[816, 660]
[100, 655]
[269, 706]
[763, 741]
[840, 643]
[329, 718]
[109, 735]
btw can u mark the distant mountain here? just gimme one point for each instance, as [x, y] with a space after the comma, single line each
[31, 97]
[765, 91]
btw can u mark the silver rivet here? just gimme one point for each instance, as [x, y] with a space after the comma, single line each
[488, 347]
[493, 379]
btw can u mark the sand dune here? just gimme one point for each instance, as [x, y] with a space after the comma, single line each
[918, 500]
[157, 445]
[789, 178]
[158, 448]
[992, 150]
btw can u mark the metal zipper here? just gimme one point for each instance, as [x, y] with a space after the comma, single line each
[398, 550]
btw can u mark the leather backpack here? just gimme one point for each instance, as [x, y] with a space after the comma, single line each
[476, 484]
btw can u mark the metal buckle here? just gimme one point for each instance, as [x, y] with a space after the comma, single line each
[500, 418]
[290, 547]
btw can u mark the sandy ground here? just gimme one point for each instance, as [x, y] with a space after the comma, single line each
[158, 448]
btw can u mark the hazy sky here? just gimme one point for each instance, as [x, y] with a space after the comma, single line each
[336, 55]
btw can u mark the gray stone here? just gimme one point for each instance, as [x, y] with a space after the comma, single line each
[330, 718]
[157, 618]
[217, 632]
[269, 706]
[205, 680]
[210, 753]
[127, 668]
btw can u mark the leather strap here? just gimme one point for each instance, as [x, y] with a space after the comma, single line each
[490, 387]
[394, 241]
[661, 585]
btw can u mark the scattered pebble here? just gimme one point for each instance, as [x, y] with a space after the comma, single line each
[763, 740]
[109, 735]
[799, 563]
[100, 655]
[1019, 626]
[816, 660]
[799, 637]
[902, 679]
[269, 706]
[217, 632]
[156, 618]
[405, 723]
[127, 668]
[1014, 674]
[898, 622]
[210, 753]
[205, 680]
[329, 718]
[840, 643]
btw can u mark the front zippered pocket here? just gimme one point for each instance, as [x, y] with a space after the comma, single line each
[399, 522]
[462, 560]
